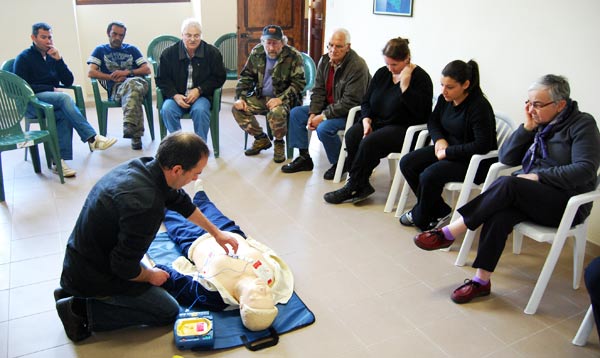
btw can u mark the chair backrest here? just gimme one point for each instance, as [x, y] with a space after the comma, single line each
[9, 65]
[310, 71]
[15, 95]
[157, 46]
[504, 127]
[227, 45]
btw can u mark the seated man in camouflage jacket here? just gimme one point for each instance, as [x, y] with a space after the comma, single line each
[271, 83]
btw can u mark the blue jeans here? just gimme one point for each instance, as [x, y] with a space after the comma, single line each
[200, 111]
[326, 131]
[68, 117]
[154, 307]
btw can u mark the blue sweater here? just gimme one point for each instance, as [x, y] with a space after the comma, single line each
[42, 74]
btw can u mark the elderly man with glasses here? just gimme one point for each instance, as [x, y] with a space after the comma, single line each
[189, 72]
[341, 82]
[270, 83]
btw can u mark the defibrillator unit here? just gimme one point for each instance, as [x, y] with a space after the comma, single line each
[194, 330]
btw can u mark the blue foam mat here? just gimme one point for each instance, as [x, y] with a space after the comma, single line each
[228, 329]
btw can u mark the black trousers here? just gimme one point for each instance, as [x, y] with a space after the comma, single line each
[592, 282]
[365, 153]
[507, 202]
[426, 176]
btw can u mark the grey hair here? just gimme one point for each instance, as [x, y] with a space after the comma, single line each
[284, 39]
[346, 33]
[557, 86]
[191, 22]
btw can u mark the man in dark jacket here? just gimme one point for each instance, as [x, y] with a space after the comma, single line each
[341, 82]
[189, 72]
[104, 286]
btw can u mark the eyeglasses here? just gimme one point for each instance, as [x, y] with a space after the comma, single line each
[331, 46]
[538, 105]
[190, 36]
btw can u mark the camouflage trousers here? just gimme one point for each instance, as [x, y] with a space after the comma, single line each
[276, 118]
[130, 94]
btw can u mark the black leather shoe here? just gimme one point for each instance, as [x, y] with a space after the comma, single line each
[76, 327]
[298, 165]
[330, 173]
[363, 193]
[60, 293]
[345, 193]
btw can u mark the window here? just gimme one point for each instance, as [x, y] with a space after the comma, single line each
[97, 2]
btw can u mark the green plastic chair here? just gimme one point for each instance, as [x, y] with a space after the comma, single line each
[15, 95]
[310, 73]
[102, 105]
[9, 65]
[227, 45]
[155, 49]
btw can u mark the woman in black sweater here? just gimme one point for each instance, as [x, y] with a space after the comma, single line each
[398, 96]
[462, 124]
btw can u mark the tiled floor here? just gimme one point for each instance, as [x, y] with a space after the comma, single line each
[373, 292]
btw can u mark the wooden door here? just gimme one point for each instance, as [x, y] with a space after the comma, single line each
[317, 28]
[253, 15]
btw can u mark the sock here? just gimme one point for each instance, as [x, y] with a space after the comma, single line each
[479, 281]
[304, 153]
[279, 140]
[262, 135]
[447, 234]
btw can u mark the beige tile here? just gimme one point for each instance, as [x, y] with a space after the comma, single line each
[32, 299]
[36, 246]
[455, 336]
[64, 351]
[408, 344]
[379, 315]
[548, 343]
[36, 270]
[21, 329]
[3, 339]
[4, 294]
[504, 320]
[4, 276]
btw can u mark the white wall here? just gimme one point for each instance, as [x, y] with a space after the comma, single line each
[17, 17]
[514, 42]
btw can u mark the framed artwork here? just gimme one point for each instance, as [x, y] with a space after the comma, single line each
[393, 7]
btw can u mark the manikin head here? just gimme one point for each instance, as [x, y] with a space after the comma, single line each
[257, 307]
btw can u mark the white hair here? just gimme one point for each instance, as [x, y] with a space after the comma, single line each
[191, 22]
[344, 32]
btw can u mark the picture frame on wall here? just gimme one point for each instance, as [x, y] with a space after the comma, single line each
[393, 7]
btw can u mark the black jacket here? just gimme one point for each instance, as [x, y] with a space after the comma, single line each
[209, 70]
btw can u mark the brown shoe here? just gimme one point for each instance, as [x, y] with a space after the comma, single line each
[279, 152]
[432, 240]
[469, 290]
[258, 145]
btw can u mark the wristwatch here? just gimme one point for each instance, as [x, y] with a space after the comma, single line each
[131, 73]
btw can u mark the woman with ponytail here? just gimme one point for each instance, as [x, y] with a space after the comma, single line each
[462, 124]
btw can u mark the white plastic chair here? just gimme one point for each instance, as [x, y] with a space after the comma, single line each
[394, 161]
[585, 329]
[504, 127]
[343, 152]
[555, 236]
